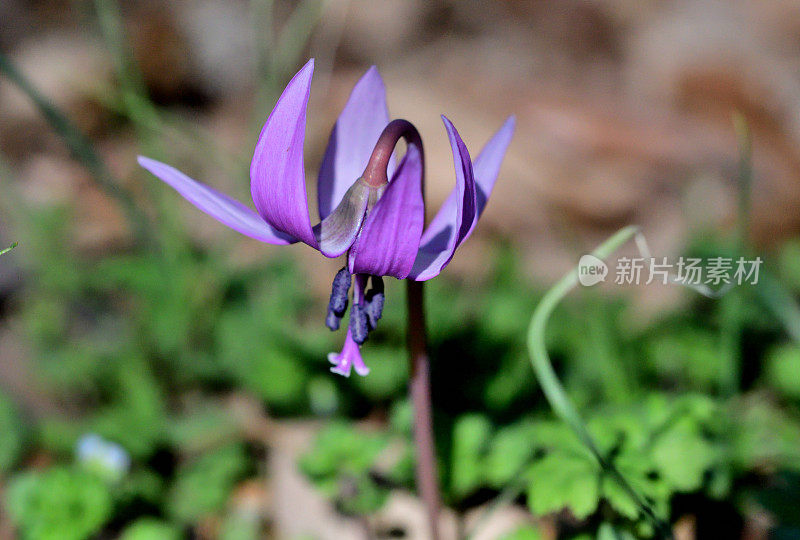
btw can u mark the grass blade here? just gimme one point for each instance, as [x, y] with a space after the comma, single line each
[9, 248]
[81, 148]
[554, 391]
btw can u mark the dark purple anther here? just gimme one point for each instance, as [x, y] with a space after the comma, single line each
[332, 320]
[338, 302]
[374, 299]
[359, 324]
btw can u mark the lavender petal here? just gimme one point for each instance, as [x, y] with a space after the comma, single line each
[224, 209]
[455, 219]
[277, 172]
[352, 140]
[389, 239]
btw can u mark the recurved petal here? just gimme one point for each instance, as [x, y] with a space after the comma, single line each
[229, 211]
[352, 140]
[389, 239]
[455, 218]
[277, 173]
[487, 164]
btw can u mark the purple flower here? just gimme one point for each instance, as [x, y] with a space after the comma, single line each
[379, 224]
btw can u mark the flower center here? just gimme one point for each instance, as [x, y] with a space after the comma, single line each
[344, 225]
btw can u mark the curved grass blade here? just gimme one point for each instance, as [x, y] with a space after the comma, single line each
[9, 248]
[554, 391]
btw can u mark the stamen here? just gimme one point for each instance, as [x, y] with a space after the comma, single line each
[375, 298]
[337, 304]
[339, 230]
[332, 320]
[359, 324]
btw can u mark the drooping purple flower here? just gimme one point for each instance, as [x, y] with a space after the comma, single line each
[379, 224]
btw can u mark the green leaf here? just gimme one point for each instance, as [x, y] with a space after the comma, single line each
[505, 313]
[13, 434]
[361, 495]
[150, 529]
[58, 435]
[339, 464]
[259, 361]
[619, 499]
[561, 480]
[470, 438]
[682, 456]
[202, 486]
[340, 448]
[58, 504]
[637, 467]
[783, 370]
[137, 417]
[510, 449]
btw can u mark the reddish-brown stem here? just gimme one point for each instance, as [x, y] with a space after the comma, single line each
[420, 387]
[375, 171]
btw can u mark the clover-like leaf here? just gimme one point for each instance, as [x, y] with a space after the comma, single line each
[58, 504]
[203, 485]
[682, 456]
[510, 449]
[564, 480]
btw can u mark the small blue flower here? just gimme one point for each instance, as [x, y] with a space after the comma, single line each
[108, 459]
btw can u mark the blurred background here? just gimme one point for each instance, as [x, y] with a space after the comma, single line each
[162, 377]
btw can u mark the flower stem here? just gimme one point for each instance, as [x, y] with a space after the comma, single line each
[420, 388]
[376, 169]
